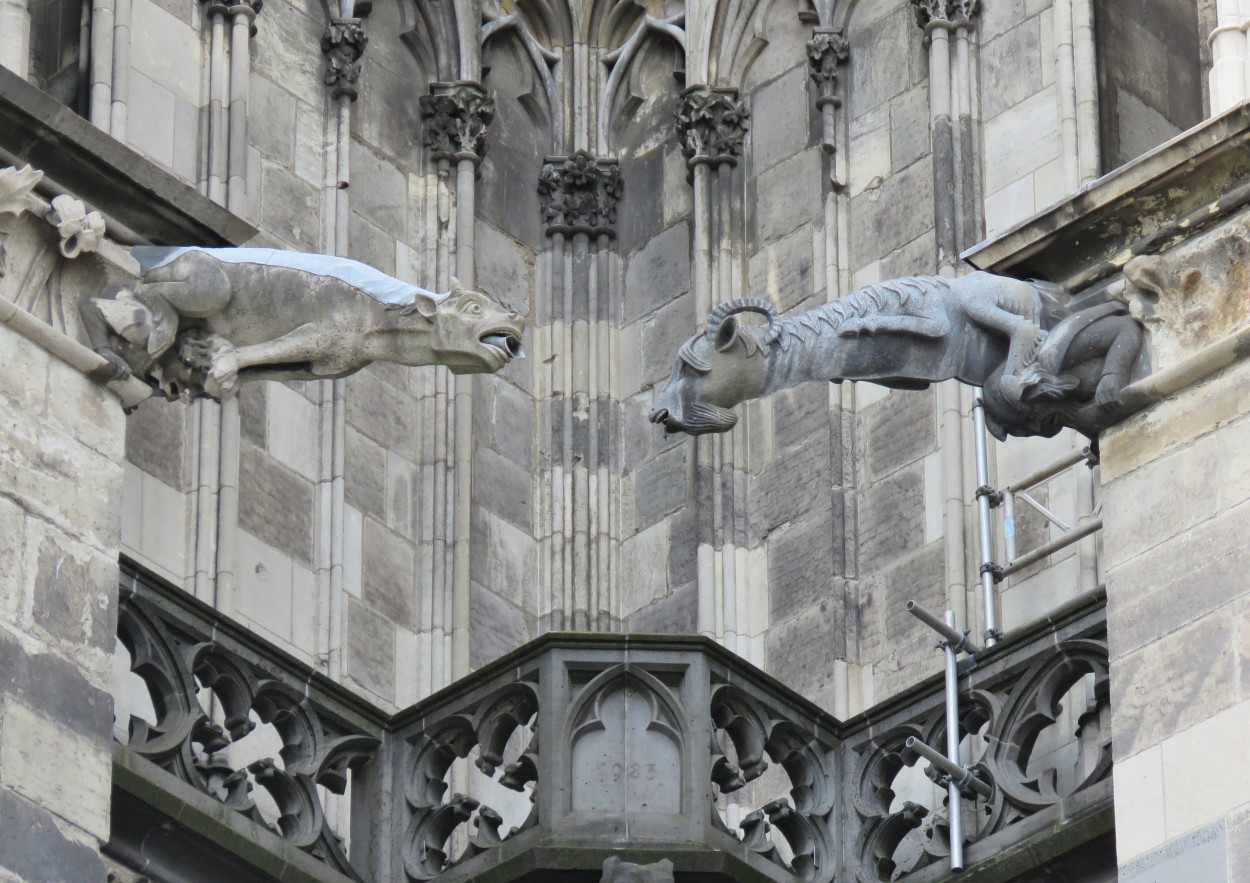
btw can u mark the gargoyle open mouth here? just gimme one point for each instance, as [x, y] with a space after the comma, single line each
[506, 341]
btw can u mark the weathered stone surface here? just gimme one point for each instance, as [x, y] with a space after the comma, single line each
[1203, 686]
[784, 271]
[33, 848]
[75, 593]
[677, 613]
[275, 504]
[641, 218]
[642, 580]
[289, 207]
[503, 487]
[388, 580]
[253, 414]
[1160, 591]
[379, 190]
[657, 272]
[58, 687]
[877, 73]
[883, 217]
[512, 423]
[909, 131]
[800, 415]
[497, 627]
[154, 440]
[272, 120]
[779, 113]
[382, 413]
[788, 195]
[1199, 855]
[898, 430]
[661, 334]
[370, 649]
[78, 792]
[364, 477]
[1012, 66]
[661, 486]
[804, 559]
[802, 650]
[791, 485]
[891, 519]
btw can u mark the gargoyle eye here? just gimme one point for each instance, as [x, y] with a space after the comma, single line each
[474, 308]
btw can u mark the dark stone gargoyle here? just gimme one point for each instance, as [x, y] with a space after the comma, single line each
[201, 320]
[1042, 365]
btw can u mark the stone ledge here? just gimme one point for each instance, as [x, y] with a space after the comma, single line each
[1143, 207]
[131, 190]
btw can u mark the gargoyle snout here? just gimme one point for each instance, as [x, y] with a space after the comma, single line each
[659, 415]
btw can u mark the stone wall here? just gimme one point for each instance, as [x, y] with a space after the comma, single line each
[61, 439]
[837, 495]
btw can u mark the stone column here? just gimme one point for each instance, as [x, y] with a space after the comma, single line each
[15, 25]
[712, 124]
[455, 117]
[1228, 55]
[343, 44]
[579, 196]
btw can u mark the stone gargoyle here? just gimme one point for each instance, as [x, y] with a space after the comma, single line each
[201, 320]
[1043, 366]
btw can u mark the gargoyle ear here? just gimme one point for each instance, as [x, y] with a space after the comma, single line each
[425, 305]
[456, 287]
[727, 333]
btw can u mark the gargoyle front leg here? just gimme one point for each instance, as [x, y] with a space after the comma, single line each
[97, 331]
[301, 347]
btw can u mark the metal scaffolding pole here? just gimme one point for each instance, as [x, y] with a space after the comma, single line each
[986, 497]
[958, 778]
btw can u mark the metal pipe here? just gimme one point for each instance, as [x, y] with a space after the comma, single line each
[1040, 475]
[992, 633]
[1080, 532]
[954, 805]
[955, 639]
[466, 272]
[967, 779]
[1044, 512]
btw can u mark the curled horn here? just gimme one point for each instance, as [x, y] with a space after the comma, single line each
[746, 305]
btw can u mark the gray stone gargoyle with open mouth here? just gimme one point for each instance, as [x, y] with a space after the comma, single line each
[1042, 365]
[202, 320]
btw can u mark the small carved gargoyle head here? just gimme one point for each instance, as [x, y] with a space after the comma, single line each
[727, 363]
[617, 871]
[474, 333]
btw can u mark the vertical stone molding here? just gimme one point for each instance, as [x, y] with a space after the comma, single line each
[343, 43]
[579, 194]
[712, 124]
[455, 117]
[827, 51]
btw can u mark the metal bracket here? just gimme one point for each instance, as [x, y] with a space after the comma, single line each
[996, 570]
[995, 496]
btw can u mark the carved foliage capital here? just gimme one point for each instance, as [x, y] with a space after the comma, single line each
[826, 52]
[712, 123]
[343, 43]
[580, 193]
[945, 12]
[455, 117]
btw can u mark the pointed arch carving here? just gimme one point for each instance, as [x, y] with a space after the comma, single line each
[541, 31]
[620, 59]
[627, 738]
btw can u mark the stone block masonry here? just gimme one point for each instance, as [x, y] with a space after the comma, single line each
[61, 441]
